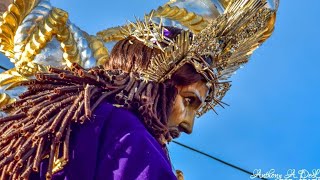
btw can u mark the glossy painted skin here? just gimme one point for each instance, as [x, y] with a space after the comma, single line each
[188, 101]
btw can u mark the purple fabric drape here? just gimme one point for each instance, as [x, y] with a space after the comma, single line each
[113, 145]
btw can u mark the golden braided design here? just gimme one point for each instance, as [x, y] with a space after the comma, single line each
[69, 46]
[194, 22]
[100, 52]
[10, 21]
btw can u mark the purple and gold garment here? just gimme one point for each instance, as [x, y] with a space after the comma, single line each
[114, 145]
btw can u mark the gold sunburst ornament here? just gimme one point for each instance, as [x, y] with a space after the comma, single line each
[216, 52]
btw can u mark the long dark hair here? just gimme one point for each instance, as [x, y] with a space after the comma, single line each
[132, 55]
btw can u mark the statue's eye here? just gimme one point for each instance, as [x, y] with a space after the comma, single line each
[188, 101]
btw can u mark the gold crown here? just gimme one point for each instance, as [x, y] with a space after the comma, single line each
[227, 41]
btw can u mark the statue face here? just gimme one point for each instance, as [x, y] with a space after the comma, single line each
[187, 102]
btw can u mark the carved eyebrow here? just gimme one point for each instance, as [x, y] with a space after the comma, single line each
[197, 95]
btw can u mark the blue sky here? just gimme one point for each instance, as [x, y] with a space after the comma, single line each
[273, 119]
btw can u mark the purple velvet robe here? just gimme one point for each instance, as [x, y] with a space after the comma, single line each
[113, 145]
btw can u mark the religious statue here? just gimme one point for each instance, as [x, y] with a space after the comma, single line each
[74, 109]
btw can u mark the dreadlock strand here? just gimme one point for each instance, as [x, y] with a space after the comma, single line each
[73, 79]
[107, 75]
[18, 141]
[50, 77]
[43, 114]
[42, 87]
[158, 126]
[89, 77]
[68, 89]
[130, 84]
[33, 102]
[53, 96]
[20, 123]
[22, 149]
[118, 75]
[7, 159]
[122, 81]
[25, 94]
[9, 168]
[103, 97]
[87, 108]
[67, 118]
[95, 94]
[6, 151]
[66, 142]
[149, 89]
[82, 119]
[13, 117]
[25, 98]
[3, 173]
[78, 112]
[139, 90]
[75, 67]
[57, 71]
[26, 172]
[37, 157]
[26, 128]
[155, 105]
[5, 126]
[10, 134]
[25, 157]
[19, 165]
[163, 102]
[51, 159]
[142, 110]
[3, 143]
[58, 119]
[53, 109]
[45, 129]
[41, 134]
[14, 176]
[132, 91]
[61, 99]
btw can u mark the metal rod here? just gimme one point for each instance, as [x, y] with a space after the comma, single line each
[5, 69]
[214, 158]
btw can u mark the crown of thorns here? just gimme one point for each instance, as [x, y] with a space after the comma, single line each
[216, 52]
